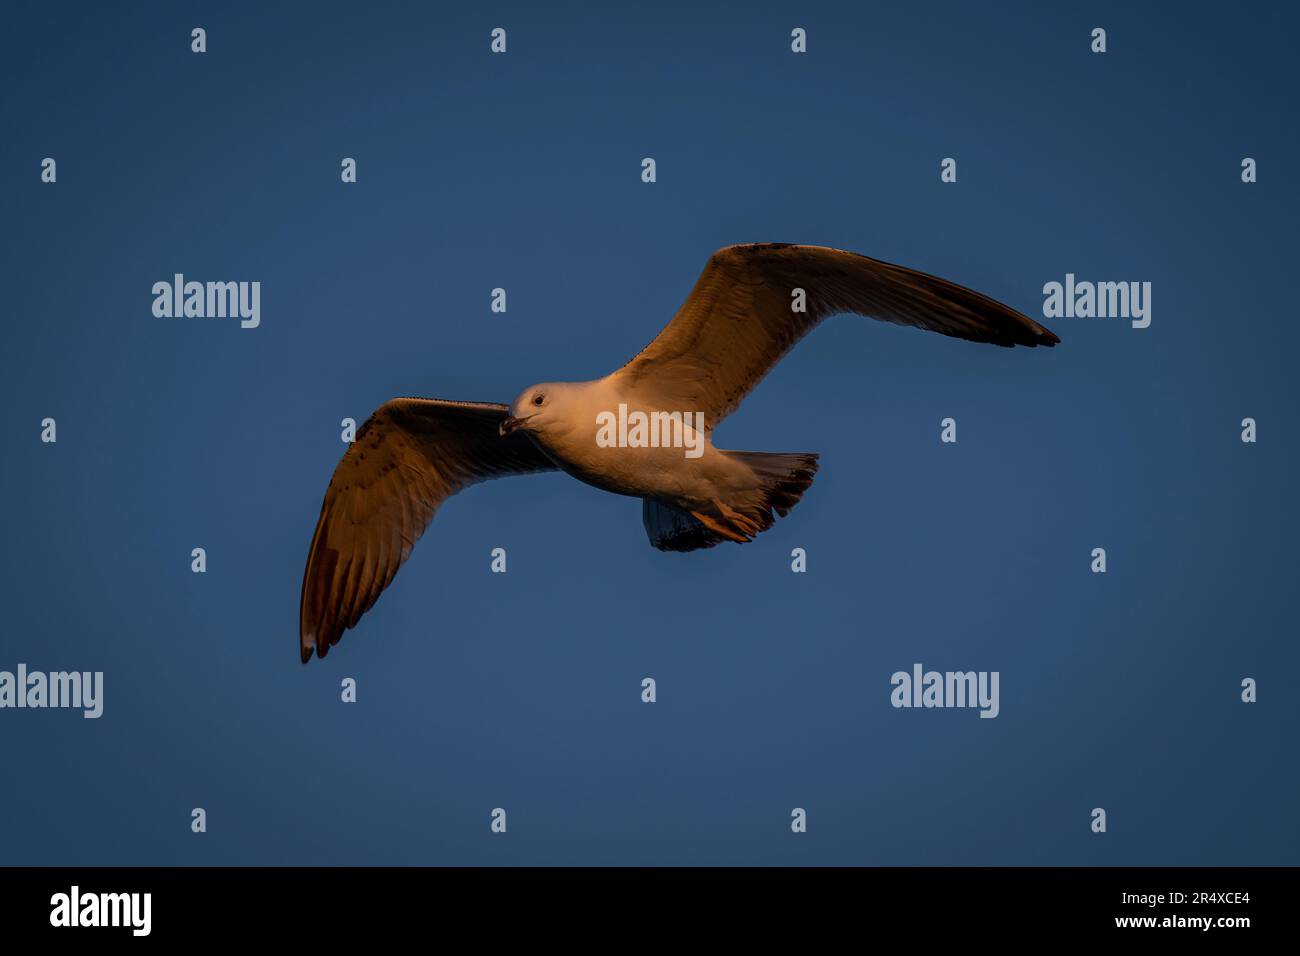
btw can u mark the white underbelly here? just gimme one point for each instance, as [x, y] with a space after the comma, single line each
[663, 473]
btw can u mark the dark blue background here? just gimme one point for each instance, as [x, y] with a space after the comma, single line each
[522, 691]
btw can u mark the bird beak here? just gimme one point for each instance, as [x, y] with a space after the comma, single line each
[510, 425]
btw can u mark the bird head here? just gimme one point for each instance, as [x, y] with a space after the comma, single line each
[536, 408]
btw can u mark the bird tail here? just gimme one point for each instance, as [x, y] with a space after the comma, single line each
[779, 482]
[783, 478]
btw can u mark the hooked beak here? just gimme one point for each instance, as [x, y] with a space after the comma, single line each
[511, 424]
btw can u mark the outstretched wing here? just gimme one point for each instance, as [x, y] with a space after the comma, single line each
[740, 319]
[409, 456]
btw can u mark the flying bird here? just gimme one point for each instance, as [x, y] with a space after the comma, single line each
[749, 307]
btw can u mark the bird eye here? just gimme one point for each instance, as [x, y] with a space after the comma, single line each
[538, 399]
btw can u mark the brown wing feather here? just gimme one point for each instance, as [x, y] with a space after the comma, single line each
[410, 456]
[738, 321]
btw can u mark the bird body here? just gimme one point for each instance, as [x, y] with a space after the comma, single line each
[643, 431]
[566, 429]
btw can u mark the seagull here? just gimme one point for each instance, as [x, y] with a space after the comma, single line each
[750, 306]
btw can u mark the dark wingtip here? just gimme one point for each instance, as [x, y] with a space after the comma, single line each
[1039, 335]
[308, 643]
